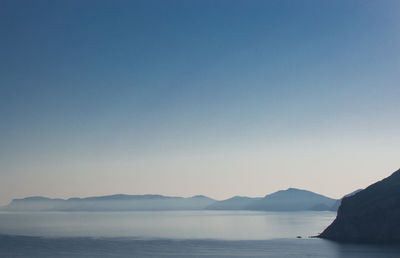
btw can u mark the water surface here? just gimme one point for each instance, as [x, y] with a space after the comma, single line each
[175, 234]
[222, 225]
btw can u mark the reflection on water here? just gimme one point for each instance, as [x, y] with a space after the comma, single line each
[227, 225]
[175, 234]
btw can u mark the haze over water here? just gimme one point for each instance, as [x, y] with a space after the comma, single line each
[223, 225]
[175, 234]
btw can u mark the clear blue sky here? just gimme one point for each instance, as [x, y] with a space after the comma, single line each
[197, 97]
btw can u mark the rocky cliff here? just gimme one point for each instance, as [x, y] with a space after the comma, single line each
[371, 215]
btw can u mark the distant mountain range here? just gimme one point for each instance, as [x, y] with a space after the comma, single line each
[291, 199]
[119, 202]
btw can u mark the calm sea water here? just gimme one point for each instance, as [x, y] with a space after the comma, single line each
[174, 234]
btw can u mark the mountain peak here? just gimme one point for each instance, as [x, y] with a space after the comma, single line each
[201, 197]
[289, 192]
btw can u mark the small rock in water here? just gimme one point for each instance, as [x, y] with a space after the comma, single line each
[298, 237]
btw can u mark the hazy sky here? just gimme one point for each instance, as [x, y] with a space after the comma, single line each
[190, 97]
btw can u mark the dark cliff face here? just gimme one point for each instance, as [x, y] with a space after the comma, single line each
[372, 215]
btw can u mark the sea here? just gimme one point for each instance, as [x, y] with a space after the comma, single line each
[176, 234]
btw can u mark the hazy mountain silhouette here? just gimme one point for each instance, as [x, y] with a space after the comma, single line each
[291, 199]
[286, 200]
[371, 215]
[234, 203]
[117, 202]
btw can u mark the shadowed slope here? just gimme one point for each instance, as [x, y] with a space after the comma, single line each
[371, 215]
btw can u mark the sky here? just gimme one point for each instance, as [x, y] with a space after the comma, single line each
[186, 97]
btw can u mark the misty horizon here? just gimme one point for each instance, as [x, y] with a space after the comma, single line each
[227, 196]
[158, 194]
[164, 195]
